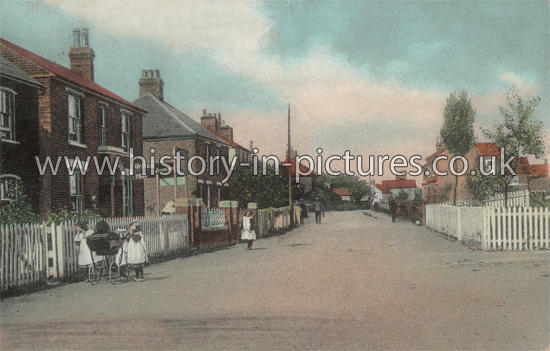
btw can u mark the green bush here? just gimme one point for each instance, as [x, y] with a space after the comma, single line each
[64, 216]
[20, 210]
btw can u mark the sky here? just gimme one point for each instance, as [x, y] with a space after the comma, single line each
[365, 76]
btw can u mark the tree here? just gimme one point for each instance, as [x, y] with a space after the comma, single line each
[268, 190]
[518, 135]
[458, 128]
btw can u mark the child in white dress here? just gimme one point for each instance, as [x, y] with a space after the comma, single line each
[83, 251]
[137, 252]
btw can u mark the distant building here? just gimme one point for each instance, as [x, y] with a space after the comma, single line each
[71, 116]
[401, 183]
[343, 193]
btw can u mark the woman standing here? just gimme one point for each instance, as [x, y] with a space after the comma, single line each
[249, 234]
[137, 253]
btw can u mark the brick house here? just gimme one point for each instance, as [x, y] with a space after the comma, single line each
[167, 130]
[19, 133]
[79, 118]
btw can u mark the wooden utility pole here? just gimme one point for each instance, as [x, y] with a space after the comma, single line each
[289, 170]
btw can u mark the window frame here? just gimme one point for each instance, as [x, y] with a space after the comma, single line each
[126, 130]
[9, 95]
[3, 189]
[103, 137]
[75, 122]
[77, 195]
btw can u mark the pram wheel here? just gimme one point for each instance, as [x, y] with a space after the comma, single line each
[114, 273]
[93, 274]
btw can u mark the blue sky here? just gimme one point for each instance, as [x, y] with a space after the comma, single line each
[369, 77]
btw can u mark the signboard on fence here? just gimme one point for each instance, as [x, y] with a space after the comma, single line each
[213, 219]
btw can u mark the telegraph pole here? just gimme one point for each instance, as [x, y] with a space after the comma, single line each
[289, 171]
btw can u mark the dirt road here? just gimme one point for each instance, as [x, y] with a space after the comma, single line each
[352, 283]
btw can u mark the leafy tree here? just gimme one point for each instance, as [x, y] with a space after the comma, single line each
[20, 210]
[445, 193]
[458, 128]
[482, 186]
[402, 196]
[518, 135]
[268, 190]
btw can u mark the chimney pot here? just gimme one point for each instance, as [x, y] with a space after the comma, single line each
[85, 39]
[150, 82]
[76, 37]
[82, 56]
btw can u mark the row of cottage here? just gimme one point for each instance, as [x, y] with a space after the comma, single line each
[51, 111]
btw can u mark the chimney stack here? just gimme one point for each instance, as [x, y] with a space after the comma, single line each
[81, 54]
[209, 120]
[151, 82]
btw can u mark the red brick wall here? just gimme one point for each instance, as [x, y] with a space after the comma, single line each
[17, 158]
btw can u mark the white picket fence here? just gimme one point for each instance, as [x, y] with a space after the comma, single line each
[490, 228]
[518, 198]
[32, 253]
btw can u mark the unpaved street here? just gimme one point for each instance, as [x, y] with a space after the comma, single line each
[353, 283]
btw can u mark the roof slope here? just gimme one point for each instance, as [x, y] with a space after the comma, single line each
[399, 183]
[539, 170]
[488, 149]
[9, 70]
[66, 73]
[164, 121]
[382, 189]
[303, 169]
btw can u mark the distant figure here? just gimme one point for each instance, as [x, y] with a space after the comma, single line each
[318, 206]
[393, 208]
[303, 210]
[248, 233]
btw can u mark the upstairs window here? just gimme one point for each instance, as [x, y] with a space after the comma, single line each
[7, 114]
[102, 125]
[8, 186]
[207, 158]
[75, 132]
[126, 131]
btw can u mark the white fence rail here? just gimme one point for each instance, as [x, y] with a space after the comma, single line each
[489, 228]
[518, 198]
[31, 253]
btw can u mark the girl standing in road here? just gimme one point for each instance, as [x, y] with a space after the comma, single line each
[248, 233]
[137, 253]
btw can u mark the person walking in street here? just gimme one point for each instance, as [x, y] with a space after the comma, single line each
[248, 229]
[318, 207]
[137, 253]
[393, 208]
[85, 256]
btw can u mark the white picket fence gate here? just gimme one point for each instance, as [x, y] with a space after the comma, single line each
[518, 198]
[490, 228]
[33, 253]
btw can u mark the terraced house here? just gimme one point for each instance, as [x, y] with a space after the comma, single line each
[69, 115]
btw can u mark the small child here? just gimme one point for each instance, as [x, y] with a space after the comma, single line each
[137, 253]
[83, 251]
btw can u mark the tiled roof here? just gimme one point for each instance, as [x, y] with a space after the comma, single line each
[539, 170]
[487, 149]
[163, 121]
[399, 183]
[9, 70]
[227, 140]
[383, 189]
[341, 191]
[67, 74]
[303, 169]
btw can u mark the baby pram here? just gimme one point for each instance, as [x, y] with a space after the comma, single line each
[108, 246]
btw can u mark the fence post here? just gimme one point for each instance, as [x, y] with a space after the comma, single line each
[458, 224]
